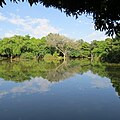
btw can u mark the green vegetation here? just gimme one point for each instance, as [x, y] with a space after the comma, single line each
[26, 69]
[21, 71]
[56, 47]
[111, 71]
[107, 50]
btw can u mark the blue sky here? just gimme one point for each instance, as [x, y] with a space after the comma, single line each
[38, 21]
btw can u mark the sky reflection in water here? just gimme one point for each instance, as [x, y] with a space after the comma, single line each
[85, 93]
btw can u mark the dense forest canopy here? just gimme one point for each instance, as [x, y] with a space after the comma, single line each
[56, 47]
[106, 13]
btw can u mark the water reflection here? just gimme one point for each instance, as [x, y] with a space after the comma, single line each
[35, 85]
[24, 70]
[98, 81]
[70, 90]
[39, 76]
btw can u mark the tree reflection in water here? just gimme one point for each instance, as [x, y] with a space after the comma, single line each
[22, 71]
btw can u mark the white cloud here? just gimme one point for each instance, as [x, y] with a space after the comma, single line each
[2, 18]
[100, 83]
[97, 82]
[36, 27]
[96, 35]
[35, 85]
[10, 34]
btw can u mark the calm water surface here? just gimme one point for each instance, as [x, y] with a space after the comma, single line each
[74, 90]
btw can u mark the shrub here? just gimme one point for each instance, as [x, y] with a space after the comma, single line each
[27, 55]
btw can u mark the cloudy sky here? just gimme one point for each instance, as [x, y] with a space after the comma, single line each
[38, 21]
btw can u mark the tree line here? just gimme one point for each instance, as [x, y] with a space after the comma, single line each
[57, 47]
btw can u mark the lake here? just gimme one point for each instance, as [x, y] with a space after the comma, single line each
[69, 90]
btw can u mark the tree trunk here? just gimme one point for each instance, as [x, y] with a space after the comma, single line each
[91, 57]
[11, 58]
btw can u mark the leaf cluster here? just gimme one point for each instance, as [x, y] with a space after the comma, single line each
[106, 13]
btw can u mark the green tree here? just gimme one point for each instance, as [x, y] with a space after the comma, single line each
[113, 51]
[85, 49]
[59, 42]
[10, 47]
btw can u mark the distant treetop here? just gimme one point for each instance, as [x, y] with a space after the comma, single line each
[106, 13]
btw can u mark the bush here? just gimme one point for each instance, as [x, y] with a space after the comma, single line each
[50, 58]
[27, 55]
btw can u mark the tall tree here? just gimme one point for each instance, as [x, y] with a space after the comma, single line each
[59, 42]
